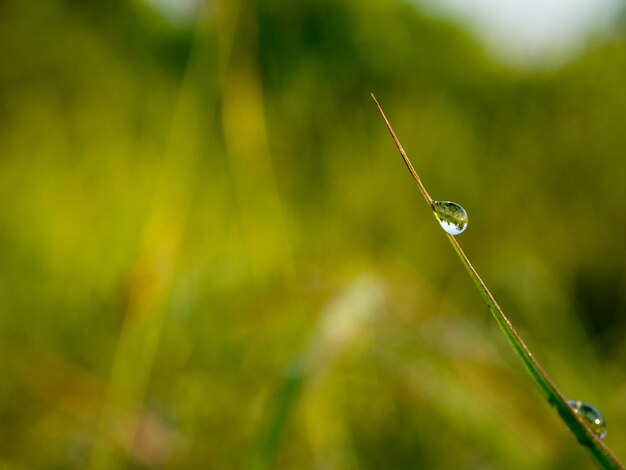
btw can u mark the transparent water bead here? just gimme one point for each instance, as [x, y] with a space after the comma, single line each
[590, 416]
[451, 216]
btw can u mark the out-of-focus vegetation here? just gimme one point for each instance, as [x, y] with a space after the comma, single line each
[193, 212]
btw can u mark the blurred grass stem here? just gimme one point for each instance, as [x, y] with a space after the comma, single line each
[151, 278]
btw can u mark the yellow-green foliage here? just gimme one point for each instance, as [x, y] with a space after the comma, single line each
[190, 210]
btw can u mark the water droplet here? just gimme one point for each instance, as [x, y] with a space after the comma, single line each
[590, 416]
[451, 216]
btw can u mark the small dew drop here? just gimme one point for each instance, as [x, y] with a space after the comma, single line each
[590, 416]
[451, 216]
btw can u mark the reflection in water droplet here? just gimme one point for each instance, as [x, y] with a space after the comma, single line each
[452, 217]
[590, 416]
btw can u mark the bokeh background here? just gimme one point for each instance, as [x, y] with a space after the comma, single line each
[212, 256]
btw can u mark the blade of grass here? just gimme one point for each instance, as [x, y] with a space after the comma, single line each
[151, 279]
[585, 436]
[342, 323]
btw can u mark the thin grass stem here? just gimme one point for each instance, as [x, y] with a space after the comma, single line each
[585, 435]
[407, 162]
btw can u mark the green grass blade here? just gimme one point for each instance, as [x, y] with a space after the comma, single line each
[585, 436]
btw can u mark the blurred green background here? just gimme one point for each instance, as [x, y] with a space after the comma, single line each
[212, 255]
